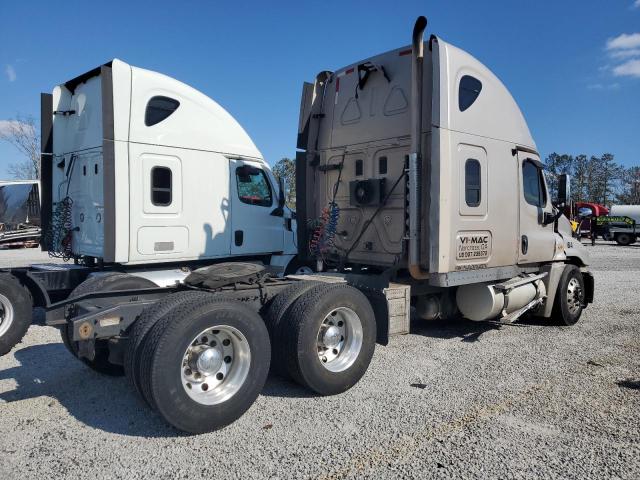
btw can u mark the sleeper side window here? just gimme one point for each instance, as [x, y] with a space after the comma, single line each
[472, 188]
[468, 91]
[161, 180]
[533, 184]
[253, 186]
[158, 109]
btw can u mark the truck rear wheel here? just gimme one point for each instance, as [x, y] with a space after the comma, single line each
[329, 338]
[624, 239]
[570, 297]
[101, 283]
[273, 320]
[138, 335]
[16, 310]
[208, 361]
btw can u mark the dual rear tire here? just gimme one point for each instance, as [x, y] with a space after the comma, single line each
[323, 336]
[200, 362]
[107, 282]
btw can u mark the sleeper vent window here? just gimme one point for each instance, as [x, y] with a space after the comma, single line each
[468, 92]
[158, 109]
[472, 188]
[533, 184]
[382, 165]
[358, 168]
[161, 186]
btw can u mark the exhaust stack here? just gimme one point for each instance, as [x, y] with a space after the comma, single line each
[415, 157]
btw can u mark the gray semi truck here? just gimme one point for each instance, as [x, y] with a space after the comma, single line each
[419, 189]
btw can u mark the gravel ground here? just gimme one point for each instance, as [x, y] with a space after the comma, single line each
[451, 400]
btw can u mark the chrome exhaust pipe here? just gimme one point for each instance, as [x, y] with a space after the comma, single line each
[415, 156]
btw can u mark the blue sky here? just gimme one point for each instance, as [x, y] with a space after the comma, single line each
[573, 65]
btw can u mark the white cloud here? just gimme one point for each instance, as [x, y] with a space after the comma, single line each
[625, 53]
[624, 41]
[630, 68]
[11, 73]
[636, 4]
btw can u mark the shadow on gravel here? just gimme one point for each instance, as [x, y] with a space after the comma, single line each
[279, 387]
[98, 401]
[466, 330]
[630, 384]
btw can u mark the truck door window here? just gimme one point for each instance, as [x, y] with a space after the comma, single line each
[533, 184]
[472, 177]
[161, 180]
[158, 109]
[468, 91]
[253, 186]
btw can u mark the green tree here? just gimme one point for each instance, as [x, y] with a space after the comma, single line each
[555, 165]
[285, 168]
[605, 177]
[630, 188]
[579, 178]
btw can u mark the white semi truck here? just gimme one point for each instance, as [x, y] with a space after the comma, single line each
[418, 185]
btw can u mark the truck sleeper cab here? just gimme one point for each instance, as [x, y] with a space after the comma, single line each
[145, 169]
[418, 163]
[402, 200]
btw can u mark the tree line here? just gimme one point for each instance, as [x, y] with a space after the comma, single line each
[595, 179]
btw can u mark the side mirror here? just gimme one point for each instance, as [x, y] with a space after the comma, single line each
[279, 210]
[549, 218]
[282, 197]
[564, 189]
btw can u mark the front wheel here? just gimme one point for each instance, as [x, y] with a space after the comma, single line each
[570, 297]
[296, 267]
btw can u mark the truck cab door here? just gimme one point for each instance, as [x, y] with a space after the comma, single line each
[537, 241]
[254, 197]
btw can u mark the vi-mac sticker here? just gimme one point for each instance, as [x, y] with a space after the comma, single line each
[473, 245]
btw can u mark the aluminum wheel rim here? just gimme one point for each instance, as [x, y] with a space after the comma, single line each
[6, 315]
[339, 339]
[215, 365]
[574, 296]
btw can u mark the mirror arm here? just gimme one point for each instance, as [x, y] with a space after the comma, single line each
[279, 210]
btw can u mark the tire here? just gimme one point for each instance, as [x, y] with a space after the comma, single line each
[16, 310]
[138, 334]
[569, 302]
[312, 313]
[624, 239]
[198, 409]
[296, 267]
[102, 283]
[273, 320]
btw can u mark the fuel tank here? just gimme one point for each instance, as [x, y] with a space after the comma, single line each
[482, 301]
